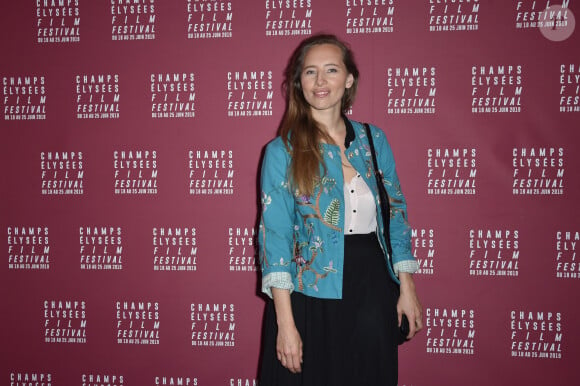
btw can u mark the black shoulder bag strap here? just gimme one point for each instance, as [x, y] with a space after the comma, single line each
[383, 196]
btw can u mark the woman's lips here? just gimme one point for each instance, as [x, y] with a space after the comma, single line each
[321, 93]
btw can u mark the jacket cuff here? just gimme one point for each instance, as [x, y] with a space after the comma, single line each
[407, 266]
[282, 280]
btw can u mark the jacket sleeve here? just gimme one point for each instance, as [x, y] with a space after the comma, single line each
[277, 220]
[400, 230]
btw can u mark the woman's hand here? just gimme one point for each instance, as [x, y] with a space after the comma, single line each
[289, 348]
[409, 304]
[288, 342]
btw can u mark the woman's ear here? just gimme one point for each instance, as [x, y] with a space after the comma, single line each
[349, 80]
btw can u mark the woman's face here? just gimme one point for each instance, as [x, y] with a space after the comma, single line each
[324, 78]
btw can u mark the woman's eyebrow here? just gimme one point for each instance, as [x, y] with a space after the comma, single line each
[324, 65]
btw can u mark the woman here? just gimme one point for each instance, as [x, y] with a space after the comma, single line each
[335, 304]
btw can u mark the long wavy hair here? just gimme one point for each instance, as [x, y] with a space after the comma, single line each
[299, 131]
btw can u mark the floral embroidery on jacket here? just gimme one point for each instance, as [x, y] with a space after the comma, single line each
[314, 245]
[302, 237]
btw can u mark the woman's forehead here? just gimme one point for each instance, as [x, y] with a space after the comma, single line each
[326, 53]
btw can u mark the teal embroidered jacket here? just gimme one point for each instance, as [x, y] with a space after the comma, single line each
[301, 239]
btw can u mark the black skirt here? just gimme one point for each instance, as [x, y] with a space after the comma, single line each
[349, 341]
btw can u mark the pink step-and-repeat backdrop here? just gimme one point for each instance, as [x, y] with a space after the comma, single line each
[132, 132]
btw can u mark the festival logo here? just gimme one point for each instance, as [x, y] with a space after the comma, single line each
[213, 324]
[211, 172]
[97, 96]
[288, 18]
[493, 252]
[62, 173]
[570, 88]
[174, 249]
[453, 15]
[538, 171]
[91, 379]
[566, 264]
[411, 90]
[28, 248]
[250, 93]
[137, 322]
[24, 98]
[496, 89]
[536, 13]
[536, 334]
[173, 95]
[450, 331]
[133, 20]
[241, 255]
[451, 171]
[135, 171]
[101, 248]
[368, 17]
[423, 241]
[65, 321]
[29, 379]
[58, 21]
[209, 19]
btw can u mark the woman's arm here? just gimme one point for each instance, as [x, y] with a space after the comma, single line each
[400, 230]
[276, 232]
[400, 233]
[276, 251]
[288, 342]
[409, 304]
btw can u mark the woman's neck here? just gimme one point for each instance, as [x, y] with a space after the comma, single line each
[333, 125]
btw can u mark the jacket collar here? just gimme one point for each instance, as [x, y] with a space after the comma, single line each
[350, 136]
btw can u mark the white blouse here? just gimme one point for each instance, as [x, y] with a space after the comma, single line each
[360, 210]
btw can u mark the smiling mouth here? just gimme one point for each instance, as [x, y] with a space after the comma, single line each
[321, 94]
